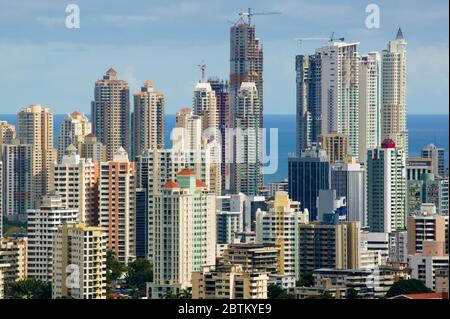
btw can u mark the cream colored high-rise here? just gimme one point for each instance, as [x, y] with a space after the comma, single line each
[76, 183]
[393, 97]
[14, 250]
[205, 105]
[72, 131]
[185, 224]
[90, 147]
[35, 127]
[79, 262]
[148, 119]
[7, 133]
[369, 103]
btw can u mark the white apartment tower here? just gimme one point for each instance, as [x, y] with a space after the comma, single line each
[185, 224]
[393, 97]
[369, 103]
[247, 164]
[76, 182]
[386, 188]
[340, 91]
[72, 131]
[42, 225]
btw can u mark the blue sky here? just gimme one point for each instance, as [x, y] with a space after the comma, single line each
[43, 62]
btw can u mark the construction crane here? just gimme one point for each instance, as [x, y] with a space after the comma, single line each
[202, 67]
[249, 14]
[331, 39]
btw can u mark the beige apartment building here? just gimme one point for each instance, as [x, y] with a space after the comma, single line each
[14, 251]
[336, 146]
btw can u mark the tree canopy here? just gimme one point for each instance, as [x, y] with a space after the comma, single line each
[30, 288]
[410, 286]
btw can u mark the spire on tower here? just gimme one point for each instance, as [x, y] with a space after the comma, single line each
[399, 34]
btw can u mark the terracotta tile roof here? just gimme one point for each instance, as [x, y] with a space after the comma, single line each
[186, 172]
[200, 184]
[431, 295]
[170, 184]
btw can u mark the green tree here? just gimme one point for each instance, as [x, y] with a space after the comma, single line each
[326, 295]
[276, 292]
[410, 286]
[307, 280]
[352, 294]
[30, 288]
[139, 272]
[114, 268]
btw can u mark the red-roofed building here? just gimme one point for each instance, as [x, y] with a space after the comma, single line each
[431, 295]
[186, 172]
[200, 184]
[170, 184]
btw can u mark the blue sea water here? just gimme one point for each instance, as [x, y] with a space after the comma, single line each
[423, 130]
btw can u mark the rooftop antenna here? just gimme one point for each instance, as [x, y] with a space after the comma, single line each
[249, 14]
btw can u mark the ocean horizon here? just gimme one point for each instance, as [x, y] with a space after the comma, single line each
[423, 129]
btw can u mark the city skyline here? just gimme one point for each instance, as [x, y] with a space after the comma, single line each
[40, 31]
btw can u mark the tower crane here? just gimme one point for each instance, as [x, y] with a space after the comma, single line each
[331, 39]
[249, 14]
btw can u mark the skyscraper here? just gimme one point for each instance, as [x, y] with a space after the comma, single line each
[386, 188]
[393, 97]
[76, 181]
[309, 101]
[340, 90]
[90, 147]
[148, 119]
[369, 103]
[205, 105]
[307, 175]
[35, 127]
[222, 90]
[185, 223]
[7, 133]
[336, 146]
[17, 180]
[248, 153]
[42, 224]
[72, 131]
[111, 113]
[437, 154]
[348, 179]
[116, 201]
[246, 65]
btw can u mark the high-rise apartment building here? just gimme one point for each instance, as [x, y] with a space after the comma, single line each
[205, 106]
[348, 179]
[425, 227]
[247, 164]
[229, 282]
[334, 246]
[42, 225]
[417, 166]
[111, 113]
[369, 103]
[246, 65]
[79, 262]
[307, 175]
[386, 187]
[393, 96]
[76, 181]
[92, 148]
[336, 146]
[185, 229]
[279, 226]
[17, 190]
[148, 119]
[7, 134]
[222, 90]
[309, 108]
[73, 129]
[339, 87]
[35, 127]
[14, 251]
[116, 202]
[437, 154]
